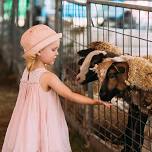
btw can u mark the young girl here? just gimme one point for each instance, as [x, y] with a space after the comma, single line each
[38, 123]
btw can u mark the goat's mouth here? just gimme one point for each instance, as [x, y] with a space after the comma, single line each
[79, 79]
[82, 82]
[106, 95]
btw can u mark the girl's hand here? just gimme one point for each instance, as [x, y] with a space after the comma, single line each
[99, 102]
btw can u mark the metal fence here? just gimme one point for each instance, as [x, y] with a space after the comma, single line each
[125, 25]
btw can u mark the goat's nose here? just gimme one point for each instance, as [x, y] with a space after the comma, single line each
[77, 78]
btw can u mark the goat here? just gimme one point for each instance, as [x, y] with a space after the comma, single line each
[123, 79]
[119, 77]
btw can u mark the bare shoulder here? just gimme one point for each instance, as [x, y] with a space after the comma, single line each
[46, 78]
[50, 81]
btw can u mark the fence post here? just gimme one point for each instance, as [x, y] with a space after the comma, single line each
[89, 109]
[58, 15]
[2, 20]
[59, 28]
[31, 13]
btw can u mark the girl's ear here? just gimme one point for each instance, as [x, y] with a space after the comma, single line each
[39, 54]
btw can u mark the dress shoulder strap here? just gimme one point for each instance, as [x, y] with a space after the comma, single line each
[38, 74]
[33, 76]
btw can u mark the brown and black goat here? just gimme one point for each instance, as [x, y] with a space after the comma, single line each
[131, 79]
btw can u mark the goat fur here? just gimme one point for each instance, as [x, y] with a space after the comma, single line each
[139, 76]
[106, 46]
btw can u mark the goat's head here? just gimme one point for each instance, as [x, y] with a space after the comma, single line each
[112, 76]
[95, 54]
[86, 72]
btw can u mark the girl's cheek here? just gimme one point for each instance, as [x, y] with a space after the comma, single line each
[47, 57]
[44, 58]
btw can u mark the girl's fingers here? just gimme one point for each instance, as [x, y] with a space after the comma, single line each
[108, 105]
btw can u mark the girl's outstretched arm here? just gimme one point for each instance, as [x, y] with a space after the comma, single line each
[60, 88]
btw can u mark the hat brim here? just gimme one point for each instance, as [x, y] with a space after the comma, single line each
[42, 44]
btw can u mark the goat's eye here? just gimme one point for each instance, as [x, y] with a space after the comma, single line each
[111, 75]
[122, 70]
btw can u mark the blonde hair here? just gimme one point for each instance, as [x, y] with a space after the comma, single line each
[30, 61]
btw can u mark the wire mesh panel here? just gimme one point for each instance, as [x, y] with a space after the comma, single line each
[74, 23]
[129, 27]
[125, 126]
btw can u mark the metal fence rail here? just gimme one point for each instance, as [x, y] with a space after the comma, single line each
[117, 23]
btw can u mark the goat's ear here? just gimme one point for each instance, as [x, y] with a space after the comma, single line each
[84, 53]
[97, 59]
